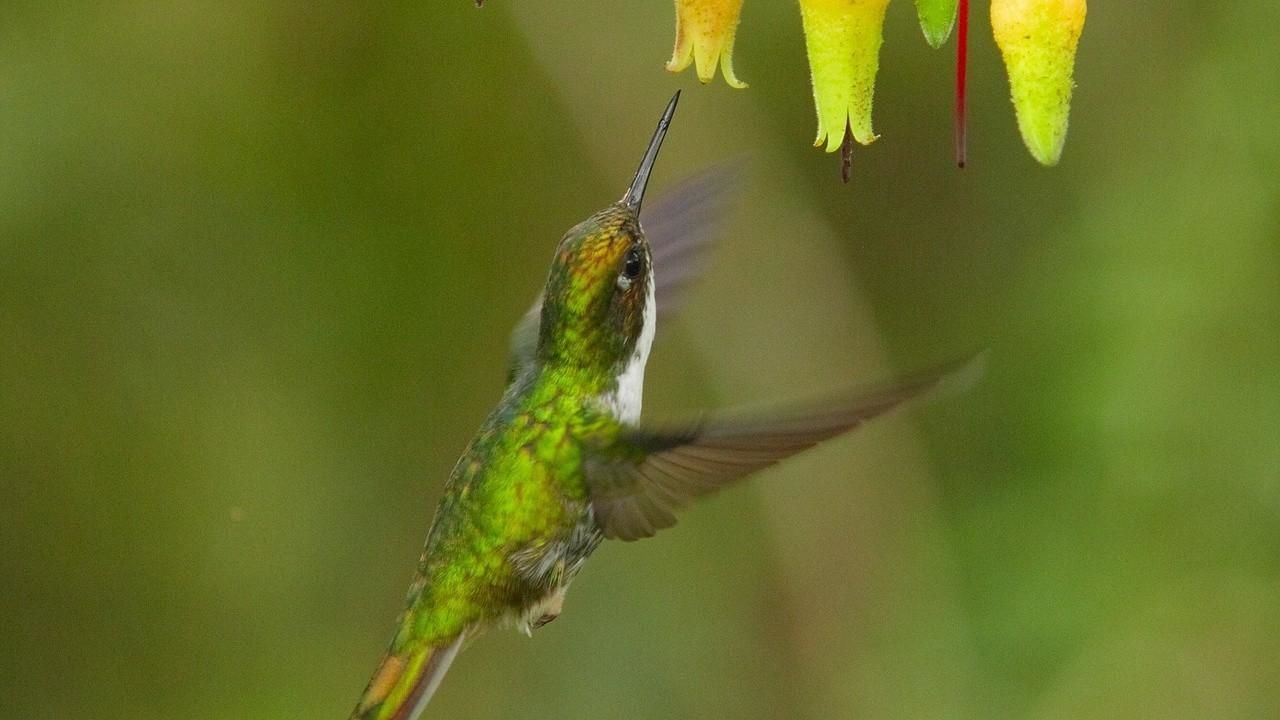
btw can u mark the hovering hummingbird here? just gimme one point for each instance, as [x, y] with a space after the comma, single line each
[562, 463]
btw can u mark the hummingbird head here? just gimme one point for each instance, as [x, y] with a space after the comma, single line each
[598, 309]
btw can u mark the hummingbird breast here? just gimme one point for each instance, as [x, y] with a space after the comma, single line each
[515, 525]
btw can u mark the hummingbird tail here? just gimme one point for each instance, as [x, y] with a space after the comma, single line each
[403, 684]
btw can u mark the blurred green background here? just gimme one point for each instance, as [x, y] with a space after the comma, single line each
[258, 261]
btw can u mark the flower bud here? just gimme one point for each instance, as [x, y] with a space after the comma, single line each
[1038, 39]
[937, 17]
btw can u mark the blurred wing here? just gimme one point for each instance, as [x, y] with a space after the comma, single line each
[681, 225]
[637, 490]
[524, 339]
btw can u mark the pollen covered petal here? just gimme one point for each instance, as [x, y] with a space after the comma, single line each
[705, 31]
[937, 17]
[843, 38]
[1038, 40]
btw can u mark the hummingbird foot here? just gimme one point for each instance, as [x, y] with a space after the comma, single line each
[543, 611]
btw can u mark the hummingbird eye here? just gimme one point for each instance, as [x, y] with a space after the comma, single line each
[632, 264]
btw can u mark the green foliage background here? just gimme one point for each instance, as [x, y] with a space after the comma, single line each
[258, 261]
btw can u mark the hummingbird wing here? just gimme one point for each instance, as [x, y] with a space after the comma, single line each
[681, 226]
[647, 475]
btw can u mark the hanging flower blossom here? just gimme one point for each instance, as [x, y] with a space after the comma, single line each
[705, 30]
[937, 17]
[1038, 39]
[843, 39]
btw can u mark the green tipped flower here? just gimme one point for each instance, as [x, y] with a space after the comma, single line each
[937, 17]
[704, 36]
[1038, 39]
[843, 39]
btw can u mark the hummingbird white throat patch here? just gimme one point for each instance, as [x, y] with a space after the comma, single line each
[623, 402]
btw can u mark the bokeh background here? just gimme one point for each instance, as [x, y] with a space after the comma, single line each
[258, 261]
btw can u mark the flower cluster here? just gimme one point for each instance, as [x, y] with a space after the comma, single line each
[1037, 38]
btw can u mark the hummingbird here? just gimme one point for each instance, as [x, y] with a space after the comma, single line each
[563, 462]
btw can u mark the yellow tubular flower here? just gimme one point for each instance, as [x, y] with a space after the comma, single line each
[843, 39]
[704, 35]
[1038, 39]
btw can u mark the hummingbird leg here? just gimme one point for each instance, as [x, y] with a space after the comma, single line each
[550, 607]
[543, 611]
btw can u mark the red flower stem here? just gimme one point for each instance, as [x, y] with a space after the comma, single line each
[962, 70]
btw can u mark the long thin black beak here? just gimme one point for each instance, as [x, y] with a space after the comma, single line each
[635, 194]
